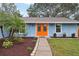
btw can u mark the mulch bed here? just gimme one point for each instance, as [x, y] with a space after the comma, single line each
[19, 49]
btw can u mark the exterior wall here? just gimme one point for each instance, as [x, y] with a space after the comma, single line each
[65, 28]
[51, 29]
[30, 30]
[4, 32]
[0, 34]
[69, 29]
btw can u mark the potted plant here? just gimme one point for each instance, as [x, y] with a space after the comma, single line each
[73, 35]
[64, 34]
[54, 35]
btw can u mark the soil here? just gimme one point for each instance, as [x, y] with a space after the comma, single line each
[19, 49]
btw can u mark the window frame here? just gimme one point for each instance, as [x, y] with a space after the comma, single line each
[44, 27]
[39, 25]
[60, 28]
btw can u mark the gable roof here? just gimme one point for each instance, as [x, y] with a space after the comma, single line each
[48, 20]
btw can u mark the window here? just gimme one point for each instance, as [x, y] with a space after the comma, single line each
[44, 28]
[58, 27]
[39, 28]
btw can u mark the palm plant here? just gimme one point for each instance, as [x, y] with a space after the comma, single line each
[2, 22]
[9, 18]
[15, 23]
[10, 22]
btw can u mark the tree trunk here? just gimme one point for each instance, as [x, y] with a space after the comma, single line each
[10, 32]
[2, 31]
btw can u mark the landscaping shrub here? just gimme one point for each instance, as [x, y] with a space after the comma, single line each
[7, 44]
[54, 34]
[1, 41]
[29, 48]
[73, 35]
[18, 40]
[34, 41]
[64, 34]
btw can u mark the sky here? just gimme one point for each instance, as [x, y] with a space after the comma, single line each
[22, 7]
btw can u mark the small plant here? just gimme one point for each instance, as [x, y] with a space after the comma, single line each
[29, 48]
[73, 35]
[34, 41]
[7, 44]
[54, 34]
[64, 34]
[18, 40]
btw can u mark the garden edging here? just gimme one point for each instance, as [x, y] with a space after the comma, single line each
[35, 48]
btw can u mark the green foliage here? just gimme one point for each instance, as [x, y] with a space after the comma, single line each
[29, 48]
[46, 9]
[10, 8]
[21, 30]
[34, 41]
[13, 21]
[54, 9]
[7, 44]
[18, 40]
[64, 34]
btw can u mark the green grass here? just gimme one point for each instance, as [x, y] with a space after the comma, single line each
[64, 47]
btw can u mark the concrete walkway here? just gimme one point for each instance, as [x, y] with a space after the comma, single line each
[43, 48]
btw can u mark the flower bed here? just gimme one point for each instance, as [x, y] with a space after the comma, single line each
[19, 49]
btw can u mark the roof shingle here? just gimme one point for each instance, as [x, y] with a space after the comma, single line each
[48, 20]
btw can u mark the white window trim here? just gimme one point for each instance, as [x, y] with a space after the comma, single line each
[60, 28]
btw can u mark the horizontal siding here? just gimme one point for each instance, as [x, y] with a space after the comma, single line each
[0, 34]
[5, 32]
[51, 29]
[30, 30]
[66, 28]
[69, 29]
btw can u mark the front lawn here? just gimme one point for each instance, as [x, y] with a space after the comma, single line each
[64, 46]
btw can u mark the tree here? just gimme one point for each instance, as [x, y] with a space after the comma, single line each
[9, 18]
[14, 23]
[46, 9]
[11, 23]
[53, 9]
[10, 8]
[2, 21]
[31, 11]
[68, 8]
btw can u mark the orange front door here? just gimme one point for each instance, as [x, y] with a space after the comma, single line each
[41, 29]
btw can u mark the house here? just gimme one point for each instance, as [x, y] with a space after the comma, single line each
[48, 26]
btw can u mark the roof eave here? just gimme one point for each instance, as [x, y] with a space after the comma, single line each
[52, 22]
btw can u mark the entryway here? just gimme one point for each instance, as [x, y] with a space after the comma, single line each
[41, 29]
